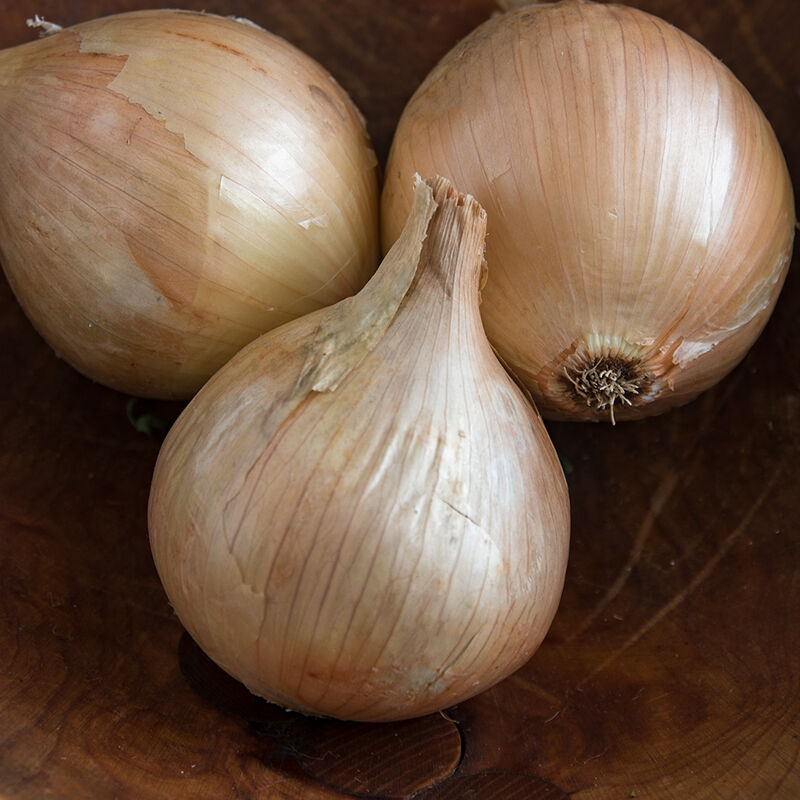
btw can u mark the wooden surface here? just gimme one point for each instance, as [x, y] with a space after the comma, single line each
[673, 667]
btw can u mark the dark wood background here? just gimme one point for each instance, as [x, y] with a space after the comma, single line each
[673, 667]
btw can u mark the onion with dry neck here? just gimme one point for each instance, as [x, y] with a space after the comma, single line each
[640, 211]
[361, 515]
[173, 185]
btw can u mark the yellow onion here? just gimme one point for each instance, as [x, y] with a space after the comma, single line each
[173, 185]
[640, 211]
[361, 515]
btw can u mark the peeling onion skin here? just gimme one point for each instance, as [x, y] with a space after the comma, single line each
[368, 531]
[174, 185]
[641, 216]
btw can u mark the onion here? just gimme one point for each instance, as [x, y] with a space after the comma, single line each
[175, 184]
[361, 515]
[640, 211]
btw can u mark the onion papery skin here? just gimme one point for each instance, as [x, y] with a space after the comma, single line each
[641, 216]
[378, 545]
[173, 185]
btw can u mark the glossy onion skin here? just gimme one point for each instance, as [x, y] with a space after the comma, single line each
[640, 210]
[389, 548]
[173, 185]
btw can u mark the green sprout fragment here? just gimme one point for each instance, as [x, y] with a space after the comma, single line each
[143, 423]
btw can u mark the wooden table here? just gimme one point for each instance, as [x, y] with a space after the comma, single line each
[673, 667]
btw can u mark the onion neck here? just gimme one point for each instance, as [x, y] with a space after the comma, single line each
[437, 261]
[453, 251]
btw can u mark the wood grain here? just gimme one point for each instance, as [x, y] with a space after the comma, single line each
[672, 668]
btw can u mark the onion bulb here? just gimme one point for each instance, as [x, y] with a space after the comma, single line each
[640, 211]
[175, 184]
[361, 515]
